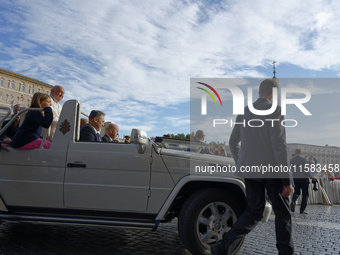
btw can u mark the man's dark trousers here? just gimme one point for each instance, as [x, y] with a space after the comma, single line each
[255, 190]
[301, 185]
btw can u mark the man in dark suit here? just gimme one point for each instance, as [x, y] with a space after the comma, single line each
[263, 145]
[88, 132]
[7, 136]
[301, 181]
[199, 137]
[112, 131]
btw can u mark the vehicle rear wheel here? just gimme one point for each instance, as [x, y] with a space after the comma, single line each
[205, 218]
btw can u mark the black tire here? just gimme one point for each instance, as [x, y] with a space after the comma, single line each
[204, 219]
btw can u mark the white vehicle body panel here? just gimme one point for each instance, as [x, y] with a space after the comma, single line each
[116, 177]
[32, 177]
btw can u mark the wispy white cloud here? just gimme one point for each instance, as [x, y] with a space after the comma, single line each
[135, 58]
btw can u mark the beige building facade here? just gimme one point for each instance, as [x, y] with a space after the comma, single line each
[325, 155]
[19, 89]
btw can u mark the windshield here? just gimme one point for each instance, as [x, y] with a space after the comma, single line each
[180, 144]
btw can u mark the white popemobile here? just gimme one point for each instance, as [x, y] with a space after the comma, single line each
[138, 185]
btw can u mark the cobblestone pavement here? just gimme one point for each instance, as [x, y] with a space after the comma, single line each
[315, 233]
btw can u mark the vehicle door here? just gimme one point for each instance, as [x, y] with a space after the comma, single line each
[32, 178]
[107, 176]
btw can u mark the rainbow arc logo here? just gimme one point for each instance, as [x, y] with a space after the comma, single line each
[209, 93]
[204, 97]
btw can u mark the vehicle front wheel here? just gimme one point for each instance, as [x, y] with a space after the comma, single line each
[205, 218]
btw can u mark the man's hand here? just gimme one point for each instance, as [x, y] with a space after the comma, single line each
[287, 190]
[7, 140]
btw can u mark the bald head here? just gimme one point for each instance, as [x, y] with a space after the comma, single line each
[57, 93]
[200, 135]
[112, 130]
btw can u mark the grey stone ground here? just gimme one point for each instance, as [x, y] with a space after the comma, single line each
[315, 233]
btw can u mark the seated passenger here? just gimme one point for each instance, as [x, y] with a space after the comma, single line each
[8, 135]
[28, 135]
[199, 137]
[127, 139]
[111, 133]
[221, 151]
[88, 132]
[83, 121]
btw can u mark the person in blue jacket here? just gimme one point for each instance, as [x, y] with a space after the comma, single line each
[28, 136]
[301, 181]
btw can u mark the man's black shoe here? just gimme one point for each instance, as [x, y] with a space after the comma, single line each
[304, 212]
[217, 249]
[292, 207]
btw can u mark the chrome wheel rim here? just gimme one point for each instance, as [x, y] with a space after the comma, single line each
[213, 221]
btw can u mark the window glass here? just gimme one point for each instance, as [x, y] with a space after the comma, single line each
[11, 84]
[31, 90]
[9, 99]
[22, 87]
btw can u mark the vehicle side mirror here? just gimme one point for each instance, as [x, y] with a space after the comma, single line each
[139, 137]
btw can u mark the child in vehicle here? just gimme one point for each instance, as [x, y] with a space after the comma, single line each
[28, 136]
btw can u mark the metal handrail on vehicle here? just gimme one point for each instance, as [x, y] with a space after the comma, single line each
[86, 115]
[6, 115]
[16, 116]
[19, 113]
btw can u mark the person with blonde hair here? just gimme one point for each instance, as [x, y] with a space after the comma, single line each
[28, 136]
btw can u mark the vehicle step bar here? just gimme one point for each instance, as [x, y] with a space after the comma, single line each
[77, 221]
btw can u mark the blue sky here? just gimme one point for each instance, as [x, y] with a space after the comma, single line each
[134, 59]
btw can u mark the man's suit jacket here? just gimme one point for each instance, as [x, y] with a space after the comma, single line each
[261, 146]
[301, 173]
[10, 131]
[106, 138]
[88, 134]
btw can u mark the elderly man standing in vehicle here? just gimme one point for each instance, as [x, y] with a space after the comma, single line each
[261, 146]
[57, 94]
[88, 132]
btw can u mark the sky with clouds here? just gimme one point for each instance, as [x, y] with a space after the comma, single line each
[134, 59]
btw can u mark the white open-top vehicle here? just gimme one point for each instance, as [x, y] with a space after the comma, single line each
[140, 185]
